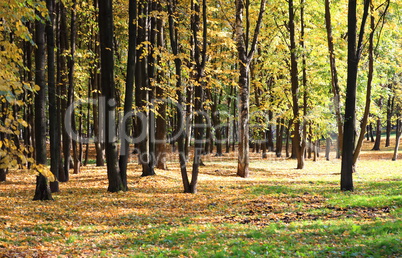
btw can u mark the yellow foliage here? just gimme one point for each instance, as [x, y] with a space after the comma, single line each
[44, 170]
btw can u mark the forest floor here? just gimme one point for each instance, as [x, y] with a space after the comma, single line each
[277, 212]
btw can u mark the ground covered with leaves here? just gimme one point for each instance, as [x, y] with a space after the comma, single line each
[277, 212]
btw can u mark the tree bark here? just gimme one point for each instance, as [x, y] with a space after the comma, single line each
[398, 139]
[245, 53]
[280, 127]
[173, 32]
[229, 103]
[142, 92]
[98, 114]
[42, 191]
[70, 100]
[328, 148]
[297, 138]
[200, 52]
[53, 111]
[109, 91]
[128, 101]
[377, 135]
[354, 52]
[390, 111]
[161, 130]
[368, 92]
[334, 78]
[65, 172]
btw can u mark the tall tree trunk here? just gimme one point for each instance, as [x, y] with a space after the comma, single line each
[65, 173]
[334, 78]
[53, 114]
[246, 51]
[297, 143]
[161, 130]
[71, 81]
[173, 32]
[109, 91]
[142, 93]
[366, 114]
[42, 191]
[189, 118]
[390, 107]
[28, 114]
[200, 61]
[98, 113]
[128, 101]
[354, 52]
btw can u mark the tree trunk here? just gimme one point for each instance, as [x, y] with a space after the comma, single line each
[234, 127]
[109, 91]
[160, 146]
[368, 92]
[297, 138]
[334, 78]
[229, 103]
[71, 65]
[3, 175]
[173, 33]
[377, 136]
[398, 139]
[367, 132]
[245, 53]
[189, 118]
[53, 114]
[354, 52]
[288, 132]
[65, 173]
[98, 113]
[270, 134]
[200, 61]
[390, 107]
[128, 101]
[142, 93]
[371, 132]
[328, 148]
[3, 171]
[244, 159]
[280, 127]
[42, 191]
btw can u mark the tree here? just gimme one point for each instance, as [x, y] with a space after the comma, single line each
[200, 53]
[53, 110]
[128, 101]
[161, 129]
[334, 77]
[354, 53]
[398, 138]
[42, 191]
[246, 51]
[299, 142]
[109, 92]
